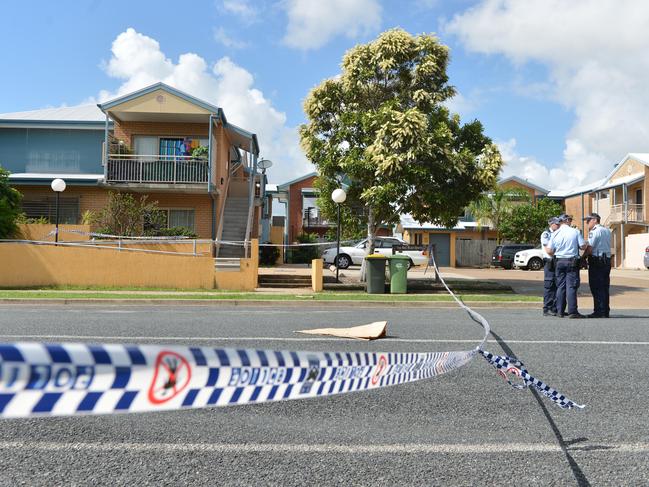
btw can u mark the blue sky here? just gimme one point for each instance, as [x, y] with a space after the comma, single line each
[536, 87]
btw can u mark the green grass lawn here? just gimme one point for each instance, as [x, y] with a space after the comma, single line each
[252, 296]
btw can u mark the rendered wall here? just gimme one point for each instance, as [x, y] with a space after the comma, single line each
[634, 249]
[25, 265]
[41, 232]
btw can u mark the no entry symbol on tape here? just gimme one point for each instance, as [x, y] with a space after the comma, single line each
[380, 368]
[171, 376]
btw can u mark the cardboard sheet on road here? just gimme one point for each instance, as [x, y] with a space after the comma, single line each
[371, 331]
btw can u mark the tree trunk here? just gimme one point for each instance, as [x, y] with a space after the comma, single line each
[371, 236]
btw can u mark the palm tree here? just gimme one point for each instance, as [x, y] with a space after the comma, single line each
[489, 209]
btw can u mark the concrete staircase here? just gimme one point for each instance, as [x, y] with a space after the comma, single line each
[284, 281]
[235, 220]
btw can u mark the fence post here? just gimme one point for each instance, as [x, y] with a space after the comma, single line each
[194, 246]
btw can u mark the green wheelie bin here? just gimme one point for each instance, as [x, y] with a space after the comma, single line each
[375, 273]
[399, 273]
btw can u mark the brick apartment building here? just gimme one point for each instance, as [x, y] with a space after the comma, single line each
[140, 143]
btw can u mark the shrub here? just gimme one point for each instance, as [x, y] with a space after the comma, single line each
[304, 255]
[268, 255]
[9, 206]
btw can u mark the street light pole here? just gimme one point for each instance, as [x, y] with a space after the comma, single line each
[58, 186]
[338, 242]
[338, 196]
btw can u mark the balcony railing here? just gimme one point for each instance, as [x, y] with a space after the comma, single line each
[626, 213]
[311, 221]
[156, 169]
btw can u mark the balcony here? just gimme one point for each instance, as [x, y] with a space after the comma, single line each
[122, 168]
[626, 214]
[312, 218]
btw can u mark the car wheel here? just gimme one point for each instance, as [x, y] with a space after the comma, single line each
[535, 264]
[344, 261]
[410, 264]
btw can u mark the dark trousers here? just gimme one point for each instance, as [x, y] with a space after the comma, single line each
[599, 280]
[549, 287]
[567, 278]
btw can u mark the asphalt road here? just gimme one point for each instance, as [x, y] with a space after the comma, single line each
[464, 428]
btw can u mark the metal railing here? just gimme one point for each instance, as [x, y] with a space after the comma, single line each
[312, 219]
[626, 213]
[122, 168]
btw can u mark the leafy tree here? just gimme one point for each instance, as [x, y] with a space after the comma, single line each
[526, 222]
[10, 209]
[125, 215]
[304, 255]
[382, 130]
[492, 207]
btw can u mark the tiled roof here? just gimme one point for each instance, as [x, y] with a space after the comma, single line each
[79, 113]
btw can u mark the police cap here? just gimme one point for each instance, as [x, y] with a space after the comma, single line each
[565, 217]
[592, 216]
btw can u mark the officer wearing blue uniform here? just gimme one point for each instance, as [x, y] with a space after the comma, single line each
[599, 265]
[549, 283]
[564, 246]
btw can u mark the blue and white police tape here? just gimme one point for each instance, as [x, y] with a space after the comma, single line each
[70, 379]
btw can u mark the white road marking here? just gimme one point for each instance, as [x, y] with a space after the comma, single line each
[310, 339]
[489, 449]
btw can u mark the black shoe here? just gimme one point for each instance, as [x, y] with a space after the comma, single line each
[595, 315]
[561, 315]
[576, 316]
[549, 313]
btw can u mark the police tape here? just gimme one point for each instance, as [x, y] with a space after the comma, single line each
[71, 379]
[185, 239]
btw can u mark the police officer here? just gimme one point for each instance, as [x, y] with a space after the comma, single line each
[549, 283]
[564, 246]
[599, 265]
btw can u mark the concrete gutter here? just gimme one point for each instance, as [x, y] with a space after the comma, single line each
[269, 303]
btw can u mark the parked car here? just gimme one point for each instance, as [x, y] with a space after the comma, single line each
[646, 257]
[382, 245]
[529, 259]
[503, 255]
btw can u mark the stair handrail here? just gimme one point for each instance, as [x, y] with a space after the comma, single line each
[219, 230]
[251, 207]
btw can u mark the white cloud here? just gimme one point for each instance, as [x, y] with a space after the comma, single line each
[313, 23]
[576, 168]
[240, 8]
[222, 37]
[139, 62]
[596, 54]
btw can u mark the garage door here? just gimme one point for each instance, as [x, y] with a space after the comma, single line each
[442, 245]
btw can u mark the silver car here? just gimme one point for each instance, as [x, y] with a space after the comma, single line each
[646, 257]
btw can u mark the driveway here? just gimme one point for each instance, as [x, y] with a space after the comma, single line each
[629, 288]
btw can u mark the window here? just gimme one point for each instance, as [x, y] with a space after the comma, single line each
[46, 208]
[419, 238]
[172, 218]
[172, 147]
[638, 196]
[181, 218]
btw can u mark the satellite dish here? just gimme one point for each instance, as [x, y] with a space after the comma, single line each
[265, 163]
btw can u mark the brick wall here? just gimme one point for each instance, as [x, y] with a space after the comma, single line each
[574, 207]
[295, 210]
[126, 130]
[95, 199]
